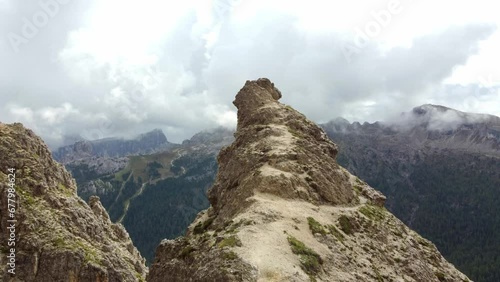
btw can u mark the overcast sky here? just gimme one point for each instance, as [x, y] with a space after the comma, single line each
[103, 68]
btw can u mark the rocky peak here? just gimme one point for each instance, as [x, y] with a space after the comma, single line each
[58, 237]
[282, 209]
[424, 127]
[440, 118]
[276, 151]
[215, 138]
[150, 142]
[154, 137]
[426, 108]
[253, 96]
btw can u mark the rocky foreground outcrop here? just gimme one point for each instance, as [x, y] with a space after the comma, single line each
[58, 237]
[282, 209]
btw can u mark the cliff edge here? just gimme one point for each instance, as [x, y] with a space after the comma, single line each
[47, 232]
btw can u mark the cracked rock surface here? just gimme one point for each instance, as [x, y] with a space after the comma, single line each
[59, 237]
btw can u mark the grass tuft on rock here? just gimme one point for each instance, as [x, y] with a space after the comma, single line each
[345, 224]
[315, 226]
[186, 252]
[310, 261]
[373, 212]
[335, 232]
[230, 255]
[440, 276]
[202, 226]
[231, 241]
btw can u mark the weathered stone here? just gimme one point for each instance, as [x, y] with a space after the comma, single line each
[58, 236]
[274, 139]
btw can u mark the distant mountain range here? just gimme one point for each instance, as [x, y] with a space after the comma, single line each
[148, 143]
[438, 167]
[154, 187]
[440, 171]
[431, 126]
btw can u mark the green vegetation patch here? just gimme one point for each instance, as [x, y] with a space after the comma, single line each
[231, 241]
[139, 277]
[373, 212]
[357, 189]
[232, 228]
[346, 225]
[201, 227]
[359, 181]
[243, 222]
[123, 174]
[335, 232]
[315, 226]
[294, 132]
[440, 276]
[65, 190]
[28, 198]
[186, 252]
[310, 261]
[230, 255]
[89, 252]
[150, 166]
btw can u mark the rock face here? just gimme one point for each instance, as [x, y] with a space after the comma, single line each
[211, 140]
[276, 151]
[58, 237]
[282, 209]
[153, 141]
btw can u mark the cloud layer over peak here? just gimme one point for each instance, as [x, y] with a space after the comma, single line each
[119, 68]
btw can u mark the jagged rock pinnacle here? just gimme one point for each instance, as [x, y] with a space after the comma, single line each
[276, 151]
[253, 96]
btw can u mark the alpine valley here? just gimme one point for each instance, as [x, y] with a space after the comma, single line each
[151, 186]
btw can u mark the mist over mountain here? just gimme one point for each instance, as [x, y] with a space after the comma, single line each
[440, 118]
[440, 170]
[431, 126]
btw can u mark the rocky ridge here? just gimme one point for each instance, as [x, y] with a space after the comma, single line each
[211, 140]
[430, 127]
[59, 237]
[147, 143]
[282, 209]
